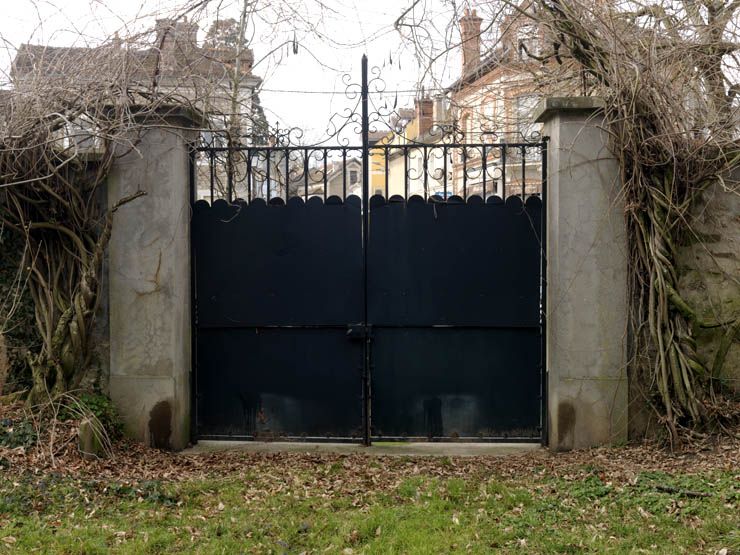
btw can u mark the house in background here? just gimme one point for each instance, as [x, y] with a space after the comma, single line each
[418, 166]
[173, 64]
[493, 101]
[339, 178]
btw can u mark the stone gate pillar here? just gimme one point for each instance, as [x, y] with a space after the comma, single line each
[586, 279]
[149, 284]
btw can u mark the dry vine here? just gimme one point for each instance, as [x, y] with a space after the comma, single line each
[669, 73]
[68, 116]
[671, 111]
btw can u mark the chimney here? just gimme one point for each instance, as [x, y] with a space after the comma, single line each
[424, 108]
[440, 112]
[470, 35]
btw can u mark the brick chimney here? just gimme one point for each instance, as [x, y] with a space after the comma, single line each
[424, 111]
[470, 35]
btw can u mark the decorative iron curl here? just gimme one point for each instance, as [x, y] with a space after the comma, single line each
[446, 133]
[436, 167]
[352, 90]
[340, 123]
[288, 136]
[473, 154]
[376, 83]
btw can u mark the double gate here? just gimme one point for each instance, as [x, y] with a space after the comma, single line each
[342, 317]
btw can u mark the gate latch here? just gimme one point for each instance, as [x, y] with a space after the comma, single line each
[358, 332]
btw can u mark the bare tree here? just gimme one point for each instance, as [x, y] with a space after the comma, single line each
[69, 114]
[668, 71]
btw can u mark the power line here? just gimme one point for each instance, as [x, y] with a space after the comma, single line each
[386, 91]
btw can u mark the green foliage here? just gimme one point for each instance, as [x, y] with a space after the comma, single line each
[426, 513]
[151, 491]
[28, 494]
[17, 433]
[17, 322]
[101, 407]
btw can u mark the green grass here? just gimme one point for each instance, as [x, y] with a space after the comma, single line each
[425, 513]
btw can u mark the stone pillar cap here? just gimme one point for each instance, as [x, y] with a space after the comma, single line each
[165, 115]
[558, 104]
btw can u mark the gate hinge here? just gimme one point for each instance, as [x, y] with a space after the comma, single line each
[359, 331]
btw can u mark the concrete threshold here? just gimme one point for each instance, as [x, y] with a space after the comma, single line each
[398, 448]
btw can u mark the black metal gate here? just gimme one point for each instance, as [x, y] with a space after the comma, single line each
[323, 316]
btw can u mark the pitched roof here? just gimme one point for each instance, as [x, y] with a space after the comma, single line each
[175, 61]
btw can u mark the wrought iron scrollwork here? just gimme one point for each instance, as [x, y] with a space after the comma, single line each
[446, 160]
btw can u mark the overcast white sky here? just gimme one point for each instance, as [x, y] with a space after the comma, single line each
[332, 36]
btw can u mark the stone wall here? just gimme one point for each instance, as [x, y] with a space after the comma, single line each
[586, 279]
[149, 288]
[709, 268]
[149, 285]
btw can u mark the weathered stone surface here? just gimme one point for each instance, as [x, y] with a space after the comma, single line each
[587, 280]
[88, 441]
[557, 105]
[709, 269]
[149, 289]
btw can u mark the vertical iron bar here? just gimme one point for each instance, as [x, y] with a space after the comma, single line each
[305, 174]
[425, 161]
[524, 171]
[230, 173]
[484, 167]
[193, 309]
[543, 300]
[406, 172]
[249, 175]
[387, 188]
[287, 175]
[444, 177]
[365, 230]
[344, 174]
[503, 172]
[326, 176]
[465, 172]
[212, 168]
[267, 155]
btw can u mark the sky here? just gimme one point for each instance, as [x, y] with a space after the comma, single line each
[299, 90]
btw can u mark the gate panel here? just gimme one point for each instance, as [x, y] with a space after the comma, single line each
[272, 383]
[456, 383]
[290, 265]
[276, 287]
[453, 300]
[461, 264]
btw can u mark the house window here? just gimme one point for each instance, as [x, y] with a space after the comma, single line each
[525, 106]
[352, 177]
[467, 127]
